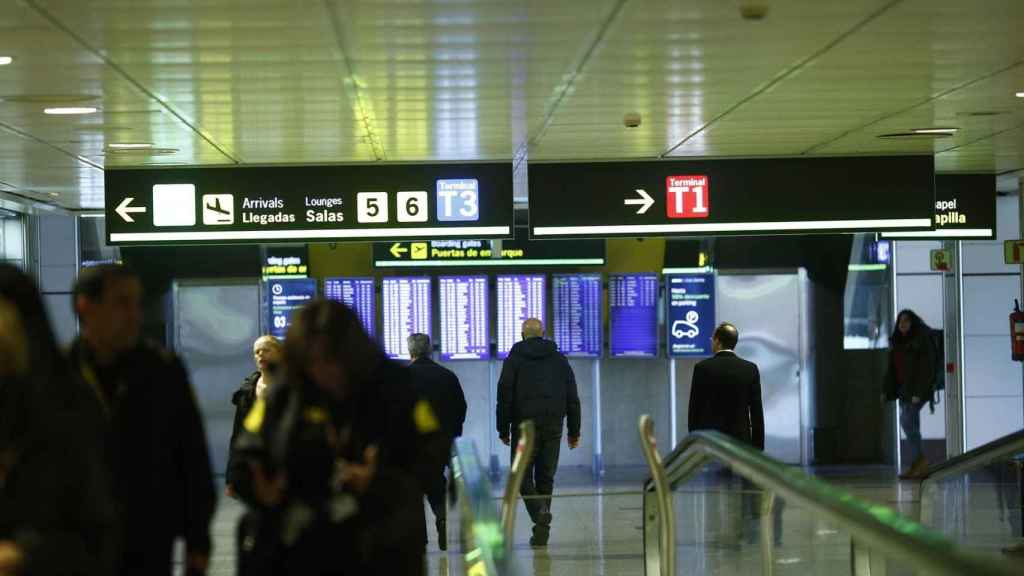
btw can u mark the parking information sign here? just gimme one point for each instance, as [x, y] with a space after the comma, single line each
[266, 204]
[691, 314]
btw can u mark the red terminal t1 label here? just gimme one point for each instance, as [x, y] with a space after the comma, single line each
[687, 197]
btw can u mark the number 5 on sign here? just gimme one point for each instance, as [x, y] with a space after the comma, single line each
[412, 206]
[372, 207]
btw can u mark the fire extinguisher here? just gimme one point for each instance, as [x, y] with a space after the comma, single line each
[1017, 331]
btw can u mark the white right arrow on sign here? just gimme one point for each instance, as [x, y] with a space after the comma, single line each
[125, 209]
[645, 201]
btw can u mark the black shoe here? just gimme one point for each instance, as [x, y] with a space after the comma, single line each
[442, 534]
[541, 532]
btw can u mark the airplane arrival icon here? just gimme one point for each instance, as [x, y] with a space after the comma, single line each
[218, 209]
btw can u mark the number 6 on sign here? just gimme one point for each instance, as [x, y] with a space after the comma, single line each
[372, 207]
[412, 206]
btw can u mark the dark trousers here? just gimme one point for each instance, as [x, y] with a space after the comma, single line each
[436, 496]
[539, 479]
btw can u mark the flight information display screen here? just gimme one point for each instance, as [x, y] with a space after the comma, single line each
[464, 317]
[359, 295]
[407, 310]
[520, 296]
[576, 314]
[286, 297]
[633, 315]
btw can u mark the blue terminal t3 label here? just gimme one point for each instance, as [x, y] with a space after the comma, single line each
[458, 200]
[691, 314]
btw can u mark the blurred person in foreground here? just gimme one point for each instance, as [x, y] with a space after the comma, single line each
[337, 458]
[155, 447]
[439, 386]
[538, 384]
[56, 514]
[268, 352]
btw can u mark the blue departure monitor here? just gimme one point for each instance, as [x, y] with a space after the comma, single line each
[633, 315]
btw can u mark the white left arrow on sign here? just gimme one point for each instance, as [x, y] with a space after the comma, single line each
[645, 201]
[125, 209]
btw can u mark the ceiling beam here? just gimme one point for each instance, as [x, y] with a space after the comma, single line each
[22, 134]
[102, 56]
[350, 83]
[562, 90]
[927, 100]
[981, 138]
[786, 73]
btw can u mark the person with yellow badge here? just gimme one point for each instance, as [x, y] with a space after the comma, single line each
[337, 457]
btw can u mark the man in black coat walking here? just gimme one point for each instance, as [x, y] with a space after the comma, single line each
[144, 406]
[441, 388]
[538, 384]
[726, 392]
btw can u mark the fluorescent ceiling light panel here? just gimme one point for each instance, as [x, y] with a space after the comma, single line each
[959, 233]
[935, 130]
[759, 227]
[469, 232]
[699, 270]
[5, 60]
[70, 110]
[484, 263]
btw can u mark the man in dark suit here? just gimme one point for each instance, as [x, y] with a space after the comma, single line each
[441, 388]
[726, 392]
[726, 396]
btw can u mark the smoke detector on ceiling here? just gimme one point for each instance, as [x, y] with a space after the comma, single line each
[753, 11]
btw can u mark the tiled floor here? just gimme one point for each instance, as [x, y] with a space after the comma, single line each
[597, 527]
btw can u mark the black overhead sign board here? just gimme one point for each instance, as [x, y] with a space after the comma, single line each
[721, 197]
[308, 203]
[965, 207]
[520, 252]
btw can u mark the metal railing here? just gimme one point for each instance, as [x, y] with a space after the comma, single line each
[485, 548]
[487, 529]
[998, 450]
[984, 455]
[516, 472]
[877, 532]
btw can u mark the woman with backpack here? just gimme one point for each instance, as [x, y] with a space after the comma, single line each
[911, 380]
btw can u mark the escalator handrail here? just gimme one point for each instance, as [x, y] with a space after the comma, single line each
[481, 534]
[983, 455]
[875, 526]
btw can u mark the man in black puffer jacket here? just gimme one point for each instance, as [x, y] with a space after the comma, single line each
[537, 384]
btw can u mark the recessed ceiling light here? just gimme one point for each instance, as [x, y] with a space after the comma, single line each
[934, 130]
[1019, 94]
[130, 145]
[916, 135]
[141, 151]
[5, 60]
[981, 113]
[70, 110]
[50, 99]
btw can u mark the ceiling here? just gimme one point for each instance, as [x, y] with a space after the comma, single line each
[304, 81]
